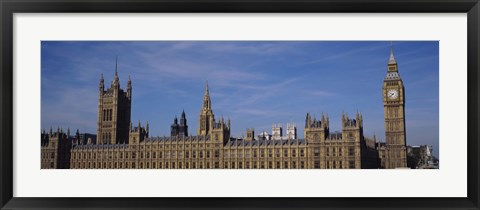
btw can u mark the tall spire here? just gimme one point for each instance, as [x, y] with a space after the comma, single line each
[116, 66]
[391, 60]
[206, 119]
[116, 82]
[101, 83]
[206, 99]
[206, 89]
[129, 88]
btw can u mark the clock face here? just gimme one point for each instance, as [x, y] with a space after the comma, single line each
[392, 94]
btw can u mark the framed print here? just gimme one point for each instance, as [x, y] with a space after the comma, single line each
[246, 105]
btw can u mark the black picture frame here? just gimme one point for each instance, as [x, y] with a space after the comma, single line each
[10, 7]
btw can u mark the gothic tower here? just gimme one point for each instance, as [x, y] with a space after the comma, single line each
[394, 112]
[352, 129]
[220, 131]
[291, 131]
[250, 134]
[183, 128]
[206, 115]
[352, 132]
[138, 134]
[277, 132]
[114, 105]
[179, 130]
[174, 127]
[316, 131]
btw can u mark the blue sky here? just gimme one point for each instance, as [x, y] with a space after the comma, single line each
[255, 83]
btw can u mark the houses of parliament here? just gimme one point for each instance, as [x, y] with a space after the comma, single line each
[120, 144]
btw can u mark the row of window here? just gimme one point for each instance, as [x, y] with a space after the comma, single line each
[216, 153]
[173, 154]
[215, 165]
[193, 165]
[340, 164]
[339, 151]
[264, 153]
[106, 136]
[45, 155]
[107, 115]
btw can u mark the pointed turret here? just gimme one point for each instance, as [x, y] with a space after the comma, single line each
[358, 119]
[101, 85]
[77, 135]
[206, 89]
[206, 98]
[116, 80]
[323, 118]
[229, 122]
[183, 119]
[308, 120]
[116, 67]
[391, 60]
[392, 66]
[327, 123]
[129, 88]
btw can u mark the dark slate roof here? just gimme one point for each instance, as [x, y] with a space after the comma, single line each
[174, 139]
[240, 142]
[100, 146]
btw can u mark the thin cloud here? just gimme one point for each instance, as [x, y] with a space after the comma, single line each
[322, 93]
[347, 54]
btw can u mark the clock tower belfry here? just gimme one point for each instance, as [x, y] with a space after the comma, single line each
[394, 113]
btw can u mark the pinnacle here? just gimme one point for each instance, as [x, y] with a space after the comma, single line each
[391, 60]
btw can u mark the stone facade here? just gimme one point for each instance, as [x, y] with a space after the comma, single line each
[217, 149]
[56, 147]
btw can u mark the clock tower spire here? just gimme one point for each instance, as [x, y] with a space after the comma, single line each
[394, 113]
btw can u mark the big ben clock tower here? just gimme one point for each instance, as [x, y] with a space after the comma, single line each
[394, 112]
